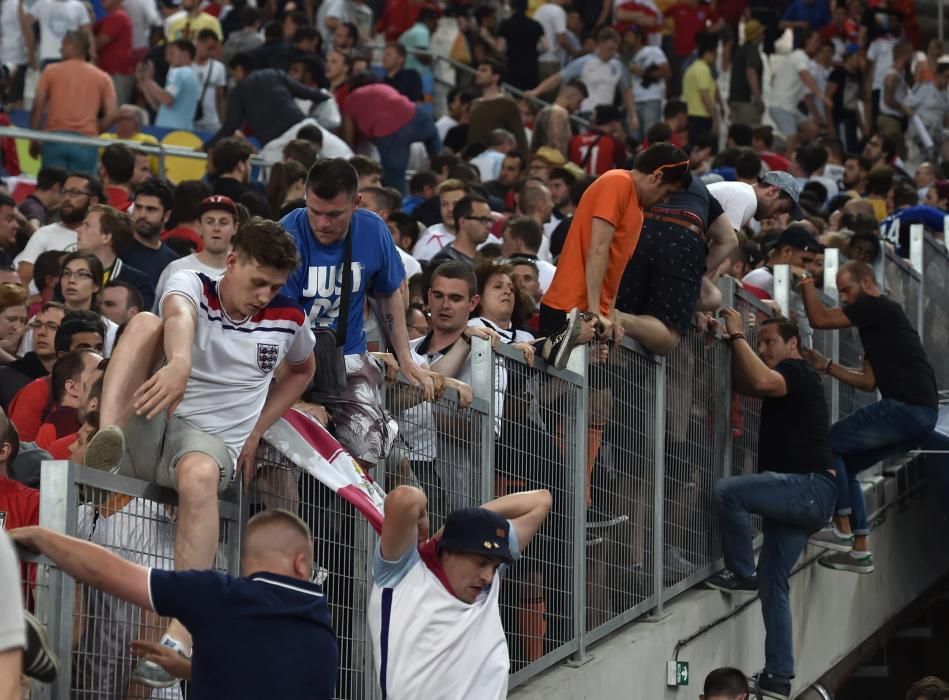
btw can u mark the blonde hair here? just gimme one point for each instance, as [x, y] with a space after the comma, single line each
[12, 295]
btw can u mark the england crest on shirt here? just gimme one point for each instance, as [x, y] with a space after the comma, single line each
[267, 354]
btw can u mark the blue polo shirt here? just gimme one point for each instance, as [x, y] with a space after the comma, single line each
[264, 636]
[317, 283]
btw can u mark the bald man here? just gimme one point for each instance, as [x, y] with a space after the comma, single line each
[272, 618]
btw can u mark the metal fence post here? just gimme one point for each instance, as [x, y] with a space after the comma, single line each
[831, 267]
[658, 525]
[161, 161]
[482, 385]
[578, 365]
[58, 511]
[782, 288]
[916, 242]
[728, 287]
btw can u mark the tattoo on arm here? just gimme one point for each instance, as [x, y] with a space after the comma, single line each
[390, 322]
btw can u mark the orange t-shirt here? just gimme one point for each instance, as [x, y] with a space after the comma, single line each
[76, 92]
[612, 197]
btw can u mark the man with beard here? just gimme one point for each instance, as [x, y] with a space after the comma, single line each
[152, 207]
[513, 168]
[79, 193]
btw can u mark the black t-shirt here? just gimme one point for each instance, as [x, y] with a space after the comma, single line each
[149, 260]
[408, 82]
[892, 347]
[695, 200]
[848, 93]
[456, 138]
[747, 56]
[521, 34]
[793, 437]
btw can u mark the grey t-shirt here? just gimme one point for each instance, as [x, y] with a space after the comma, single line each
[12, 629]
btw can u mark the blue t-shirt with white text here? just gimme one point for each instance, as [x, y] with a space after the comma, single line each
[317, 283]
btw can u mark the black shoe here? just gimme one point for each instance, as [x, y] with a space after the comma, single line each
[556, 349]
[728, 582]
[39, 660]
[598, 517]
[772, 687]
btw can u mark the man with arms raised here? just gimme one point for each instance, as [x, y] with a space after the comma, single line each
[433, 612]
[192, 423]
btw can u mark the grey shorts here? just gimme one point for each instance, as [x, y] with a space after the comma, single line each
[156, 445]
[360, 422]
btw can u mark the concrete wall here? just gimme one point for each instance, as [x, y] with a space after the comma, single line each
[833, 613]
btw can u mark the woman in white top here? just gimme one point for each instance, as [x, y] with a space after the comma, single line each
[503, 308]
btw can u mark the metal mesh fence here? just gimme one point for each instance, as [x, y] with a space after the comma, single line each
[36, 596]
[936, 310]
[745, 410]
[621, 453]
[903, 285]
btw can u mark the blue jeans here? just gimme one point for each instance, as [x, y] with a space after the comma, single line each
[880, 430]
[793, 506]
[394, 149]
[73, 157]
[649, 112]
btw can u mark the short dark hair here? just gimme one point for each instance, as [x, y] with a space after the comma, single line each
[302, 151]
[928, 688]
[664, 154]
[134, 297]
[249, 16]
[7, 201]
[243, 60]
[765, 134]
[78, 321]
[399, 49]
[658, 133]
[117, 224]
[47, 264]
[457, 270]
[741, 134]
[207, 33]
[674, 108]
[577, 85]
[365, 166]
[706, 42]
[158, 188]
[787, 328]
[188, 196]
[810, 157]
[880, 181]
[93, 185]
[863, 162]
[268, 243]
[464, 206]
[405, 224]
[331, 177]
[185, 45]
[727, 681]
[497, 67]
[228, 153]
[421, 180]
[747, 164]
[869, 237]
[118, 161]
[888, 148]
[562, 174]
[49, 176]
[526, 230]
[381, 196]
[67, 367]
[311, 133]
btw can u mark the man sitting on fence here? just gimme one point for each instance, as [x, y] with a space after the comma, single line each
[793, 489]
[282, 620]
[894, 362]
[433, 613]
[204, 411]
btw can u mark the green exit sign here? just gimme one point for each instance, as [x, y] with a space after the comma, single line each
[677, 673]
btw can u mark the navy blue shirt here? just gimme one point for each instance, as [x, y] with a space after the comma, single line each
[148, 260]
[317, 283]
[264, 636]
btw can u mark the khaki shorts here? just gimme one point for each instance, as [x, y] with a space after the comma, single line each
[360, 422]
[155, 446]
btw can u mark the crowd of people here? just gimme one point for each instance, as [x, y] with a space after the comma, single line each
[359, 217]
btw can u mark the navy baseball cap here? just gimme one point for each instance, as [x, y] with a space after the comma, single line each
[477, 531]
[798, 238]
[787, 184]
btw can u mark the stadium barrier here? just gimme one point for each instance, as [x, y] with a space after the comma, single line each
[630, 445]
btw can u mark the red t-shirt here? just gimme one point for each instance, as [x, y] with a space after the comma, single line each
[59, 449]
[115, 58]
[118, 197]
[689, 21]
[186, 232]
[378, 110]
[596, 153]
[29, 407]
[774, 161]
[19, 504]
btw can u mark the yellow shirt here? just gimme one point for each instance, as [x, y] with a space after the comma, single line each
[146, 139]
[698, 77]
[181, 26]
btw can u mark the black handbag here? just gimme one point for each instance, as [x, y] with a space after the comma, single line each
[328, 351]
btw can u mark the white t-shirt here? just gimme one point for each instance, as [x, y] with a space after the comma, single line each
[488, 164]
[602, 78]
[412, 266]
[787, 88]
[215, 74]
[445, 124]
[436, 646]
[49, 237]
[56, 17]
[432, 240]
[645, 57]
[553, 18]
[189, 262]
[12, 46]
[12, 629]
[232, 361]
[738, 200]
[144, 16]
[880, 51]
[331, 8]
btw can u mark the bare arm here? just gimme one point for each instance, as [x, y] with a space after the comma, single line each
[811, 85]
[26, 27]
[405, 523]
[219, 102]
[710, 105]
[750, 376]
[156, 95]
[863, 378]
[629, 102]
[820, 316]
[598, 260]
[11, 663]
[722, 242]
[526, 509]
[393, 311]
[39, 106]
[549, 83]
[166, 388]
[89, 563]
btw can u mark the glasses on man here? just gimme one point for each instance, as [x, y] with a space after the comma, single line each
[49, 325]
[72, 192]
[78, 274]
[486, 220]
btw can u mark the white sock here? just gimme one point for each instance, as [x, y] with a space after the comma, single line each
[859, 555]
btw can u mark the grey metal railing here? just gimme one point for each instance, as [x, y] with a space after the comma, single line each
[630, 448]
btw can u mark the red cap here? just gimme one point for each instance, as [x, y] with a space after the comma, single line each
[218, 202]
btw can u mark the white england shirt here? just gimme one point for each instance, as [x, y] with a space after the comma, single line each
[232, 361]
